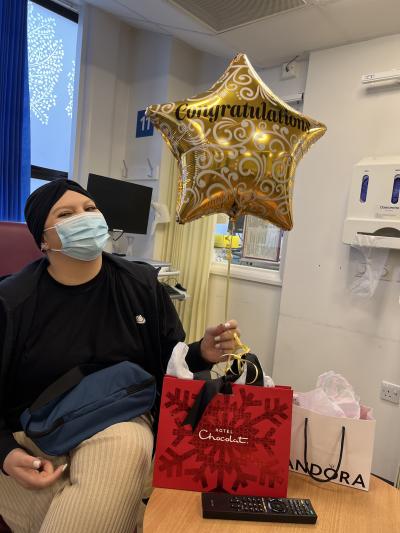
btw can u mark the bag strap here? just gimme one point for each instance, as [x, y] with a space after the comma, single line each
[336, 470]
[206, 394]
[202, 374]
[63, 384]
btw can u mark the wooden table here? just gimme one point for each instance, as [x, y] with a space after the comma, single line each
[339, 510]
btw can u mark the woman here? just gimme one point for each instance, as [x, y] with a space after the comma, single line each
[79, 305]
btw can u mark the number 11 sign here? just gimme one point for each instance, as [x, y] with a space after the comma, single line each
[144, 128]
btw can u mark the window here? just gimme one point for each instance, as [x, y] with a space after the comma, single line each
[52, 41]
[255, 243]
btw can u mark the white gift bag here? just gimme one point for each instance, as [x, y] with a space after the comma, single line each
[329, 448]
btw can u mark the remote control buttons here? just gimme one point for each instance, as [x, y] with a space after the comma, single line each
[277, 506]
[300, 507]
[251, 504]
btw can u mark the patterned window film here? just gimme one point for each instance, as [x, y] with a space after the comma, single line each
[52, 42]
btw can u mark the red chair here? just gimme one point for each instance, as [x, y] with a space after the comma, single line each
[17, 248]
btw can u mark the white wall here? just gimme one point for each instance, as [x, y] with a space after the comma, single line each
[104, 85]
[164, 69]
[123, 70]
[255, 306]
[321, 325]
[149, 63]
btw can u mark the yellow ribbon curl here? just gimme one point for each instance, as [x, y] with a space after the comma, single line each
[241, 350]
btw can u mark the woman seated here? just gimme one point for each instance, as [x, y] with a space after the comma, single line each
[77, 305]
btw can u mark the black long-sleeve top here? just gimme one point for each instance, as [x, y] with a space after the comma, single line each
[47, 328]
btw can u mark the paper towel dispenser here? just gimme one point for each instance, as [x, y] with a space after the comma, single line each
[374, 202]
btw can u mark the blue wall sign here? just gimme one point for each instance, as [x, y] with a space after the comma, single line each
[144, 127]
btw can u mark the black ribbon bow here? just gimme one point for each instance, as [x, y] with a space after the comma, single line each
[223, 385]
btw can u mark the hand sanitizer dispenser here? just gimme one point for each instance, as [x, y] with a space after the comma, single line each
[374, 203]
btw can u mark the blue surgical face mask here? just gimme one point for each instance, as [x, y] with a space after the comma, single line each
[82, 236]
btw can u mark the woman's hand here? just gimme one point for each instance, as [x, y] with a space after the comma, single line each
[218, 341]
[31, 472]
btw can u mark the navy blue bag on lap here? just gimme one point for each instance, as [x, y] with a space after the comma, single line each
[80, 404]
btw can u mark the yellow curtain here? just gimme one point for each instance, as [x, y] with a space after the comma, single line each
[189, 249]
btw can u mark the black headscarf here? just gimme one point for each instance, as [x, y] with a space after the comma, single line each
[40, 202]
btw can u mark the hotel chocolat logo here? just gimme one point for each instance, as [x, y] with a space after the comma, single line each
[260, 112]
[223, 435]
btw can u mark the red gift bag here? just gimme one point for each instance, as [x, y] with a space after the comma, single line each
[240, 445]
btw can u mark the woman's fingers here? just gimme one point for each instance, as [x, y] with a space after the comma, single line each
[227, 336]
[226, 341]
[219, 340]
[32, 479]
[29, 471]
[47, 466]
[22, 459]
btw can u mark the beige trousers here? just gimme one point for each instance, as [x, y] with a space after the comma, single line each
[100, 491]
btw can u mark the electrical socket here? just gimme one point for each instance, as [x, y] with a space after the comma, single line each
[390, 392]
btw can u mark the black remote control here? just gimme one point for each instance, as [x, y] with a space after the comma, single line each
[229, 507]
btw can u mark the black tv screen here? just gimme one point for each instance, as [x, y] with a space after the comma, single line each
[125, 205]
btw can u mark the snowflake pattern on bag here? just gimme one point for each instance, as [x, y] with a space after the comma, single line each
[234, 445]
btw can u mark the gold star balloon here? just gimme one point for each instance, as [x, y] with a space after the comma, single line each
[237, 146]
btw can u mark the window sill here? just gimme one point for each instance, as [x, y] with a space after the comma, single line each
[258, 275]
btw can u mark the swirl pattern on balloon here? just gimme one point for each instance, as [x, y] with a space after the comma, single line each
[238, 146]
